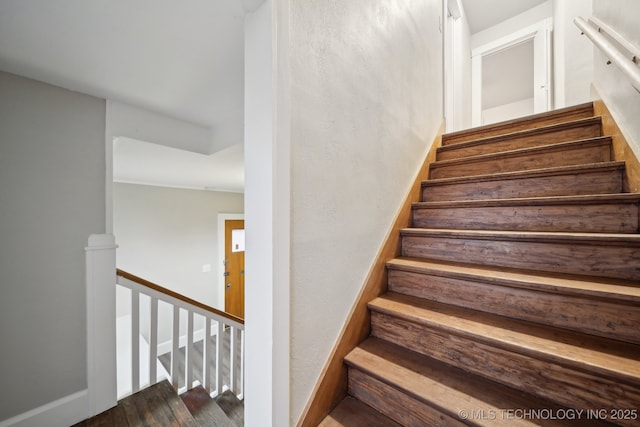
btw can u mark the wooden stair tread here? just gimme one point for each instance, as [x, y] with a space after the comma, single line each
[580, 351]
[232, 407]
[446, 388]
[586, 109]
[204, 409]
[351, 412]
[622, 292]
[528, 236]
[534, 201]
[539, 131]
[523, 151]
[562, 170]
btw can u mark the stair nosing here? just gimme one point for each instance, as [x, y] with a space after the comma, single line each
[513, 135]
[560, 146]
[565, 285]
[553, 171]
[545, 236]
[587, 106]
[515, 341]
[534, 201]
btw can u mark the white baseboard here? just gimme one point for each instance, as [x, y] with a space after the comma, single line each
[63, 412]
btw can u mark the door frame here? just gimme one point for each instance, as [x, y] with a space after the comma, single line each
[452, 69]
[222, 217]
[540, 33]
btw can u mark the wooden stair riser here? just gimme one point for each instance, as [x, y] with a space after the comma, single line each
[592, 259]
[587, 315]
[559, 116]
[544, 378]
[603, 180]
[588, 218]
[591, 151]
[395, 404]
[536, 138]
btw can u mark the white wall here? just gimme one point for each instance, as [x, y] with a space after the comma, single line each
[509, 111]
[511, 25]
[52, 188]
[167, 235]
[267, 223]
[614, 88]
[366, 103]
[144, 125]
[572, 54]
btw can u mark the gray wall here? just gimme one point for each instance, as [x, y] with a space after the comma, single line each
[52, 197]
[366, 103]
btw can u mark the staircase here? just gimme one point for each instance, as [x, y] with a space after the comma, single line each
[516, 301]
[159, 405]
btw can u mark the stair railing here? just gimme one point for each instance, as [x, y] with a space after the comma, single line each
[227, 329]
[619, 50]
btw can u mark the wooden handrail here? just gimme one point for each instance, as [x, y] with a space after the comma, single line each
[176, 295]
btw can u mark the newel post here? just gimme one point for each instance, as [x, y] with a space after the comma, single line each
[101, 322]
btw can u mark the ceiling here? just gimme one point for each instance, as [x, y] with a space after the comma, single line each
[182, 59]
[483, 14]
[171, 167]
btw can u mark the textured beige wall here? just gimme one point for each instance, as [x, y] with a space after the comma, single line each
[366, 102]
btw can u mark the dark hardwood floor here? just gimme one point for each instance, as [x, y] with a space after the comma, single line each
[158, 405]
[165, 359]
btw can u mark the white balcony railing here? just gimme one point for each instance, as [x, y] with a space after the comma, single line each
[174, 336]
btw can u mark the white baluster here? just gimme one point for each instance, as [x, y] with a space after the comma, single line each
[206, 355]
[219, 339]
[189, 351]
[240, 392]
[153, 342]
[232, 359]
[135, 341]
[175, 347]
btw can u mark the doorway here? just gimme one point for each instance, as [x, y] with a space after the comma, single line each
[507, 83]
[494, 57]
[234, 267]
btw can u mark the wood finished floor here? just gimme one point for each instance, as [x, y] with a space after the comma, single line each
[158, 405]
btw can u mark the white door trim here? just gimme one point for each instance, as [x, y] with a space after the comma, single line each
[540, 33]
[222, 217]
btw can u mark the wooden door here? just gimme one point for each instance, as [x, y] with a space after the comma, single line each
[234, 267]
